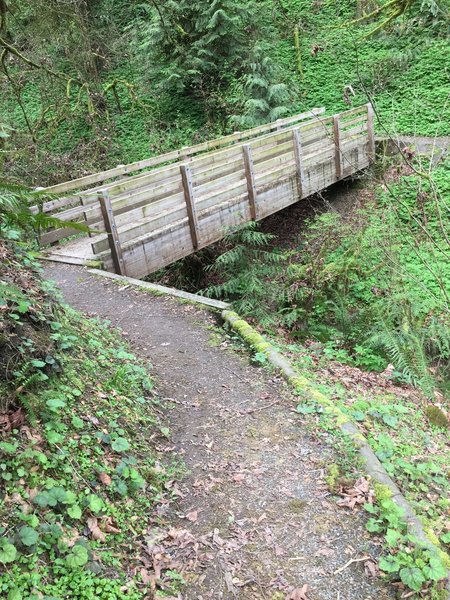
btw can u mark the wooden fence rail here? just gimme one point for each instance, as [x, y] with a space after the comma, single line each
[181, 155]
[154, 218]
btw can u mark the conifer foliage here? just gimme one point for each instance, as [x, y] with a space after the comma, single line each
[201, 48]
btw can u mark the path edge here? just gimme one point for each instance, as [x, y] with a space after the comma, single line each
[427, 539]
[372, 465]
[159, 290]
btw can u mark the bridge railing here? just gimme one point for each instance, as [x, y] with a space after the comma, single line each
[162, 216]
[72, 207]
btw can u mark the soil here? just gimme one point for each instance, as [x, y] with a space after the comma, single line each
[254, 509]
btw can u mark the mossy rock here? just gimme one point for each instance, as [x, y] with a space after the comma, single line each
[437, 417]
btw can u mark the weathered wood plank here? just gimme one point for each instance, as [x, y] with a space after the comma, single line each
[182, 154]
[337, 146]
[250, 177]
[190, 203]
[111, 230]
[298, 153]
[370, 133]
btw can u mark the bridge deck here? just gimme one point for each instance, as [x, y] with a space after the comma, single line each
[148, 220]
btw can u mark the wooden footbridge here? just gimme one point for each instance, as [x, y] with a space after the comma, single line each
[151, 213]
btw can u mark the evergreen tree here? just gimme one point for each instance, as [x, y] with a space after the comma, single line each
[266, 100]
[196, 41]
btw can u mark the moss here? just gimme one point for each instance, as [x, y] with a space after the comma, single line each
[296, 505]
[435, 541]
[333, 477]
[437, 417]
[382, 492]
[94, 264]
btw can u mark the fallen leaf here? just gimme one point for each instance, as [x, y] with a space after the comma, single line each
[371, 568]
[192, 516]
[108, 525]
[104, 478]
[298, 593]
[96, 532]
[229, 582]
[146, 577]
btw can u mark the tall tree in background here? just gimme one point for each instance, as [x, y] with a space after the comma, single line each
[201, 48]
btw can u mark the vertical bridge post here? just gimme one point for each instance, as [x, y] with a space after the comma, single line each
[337, 146]
[250, 177]
[370, 133]
[111, 230]
[188, 189]
[298, 153]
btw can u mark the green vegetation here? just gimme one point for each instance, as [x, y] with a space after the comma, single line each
[106, 82]
[413, 451]
[79, 477]
[371, 287]
[86, 85]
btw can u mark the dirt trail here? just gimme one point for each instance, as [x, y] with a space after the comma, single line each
[254, 494]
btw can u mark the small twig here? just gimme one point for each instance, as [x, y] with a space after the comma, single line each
[350, 562]
[253, 410]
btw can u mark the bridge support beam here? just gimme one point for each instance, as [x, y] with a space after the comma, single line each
[190, 203]
[250, 176]
[370, 133]
[298, 153]
[337, 146]
[111, 230]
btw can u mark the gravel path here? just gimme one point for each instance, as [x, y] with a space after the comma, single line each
[254, 498]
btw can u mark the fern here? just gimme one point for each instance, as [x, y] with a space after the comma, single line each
[17, 219]
[405, 342]
[249, 272]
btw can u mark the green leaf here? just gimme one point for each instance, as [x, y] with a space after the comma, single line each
[445, 538]
[38, 363]
[373, 526]
[435, 570]
[23, 307]
[8, 552]
[371, 508]
[392, 537]
[28, 536]
[74, 511]
[70, 498]
[390, 420]
[59, 494]
[389, 564]
[77, 422]
[32, 520]
[8, 448]
[55, 403]
[53, 437]
[15, 595]
[412, 577]
[120, 444]
[358, 415]
[305, 409]
[44, 499]
[120, 487]
[78, 557]
[95, 503]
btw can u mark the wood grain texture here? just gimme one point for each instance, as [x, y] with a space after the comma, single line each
[165, 214]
